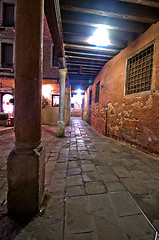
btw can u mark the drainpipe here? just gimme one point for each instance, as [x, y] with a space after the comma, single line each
[106, 122]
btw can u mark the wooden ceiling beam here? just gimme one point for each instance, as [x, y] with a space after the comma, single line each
[53, 16]
[77, 68]
[97, 21]
[125, 13]
[86, 74]
[87, 54]
[84, 65]
[74, 74]
[149, 3]
[90, 48]
[86, 58]
[83, 70]
[87, 70]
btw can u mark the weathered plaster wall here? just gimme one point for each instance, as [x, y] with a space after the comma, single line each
[49, 113]
[133, 118]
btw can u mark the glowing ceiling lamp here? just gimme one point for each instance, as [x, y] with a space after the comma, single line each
[100, 37]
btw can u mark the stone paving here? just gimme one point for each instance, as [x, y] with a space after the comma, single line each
[96, 189]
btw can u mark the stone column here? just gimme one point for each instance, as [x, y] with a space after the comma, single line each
[68, 114]
[61, 117]
[26, 160]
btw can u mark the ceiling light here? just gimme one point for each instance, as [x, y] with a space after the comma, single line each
[100, 37]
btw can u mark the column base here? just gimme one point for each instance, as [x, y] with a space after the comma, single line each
[26, 174]
[60, 129]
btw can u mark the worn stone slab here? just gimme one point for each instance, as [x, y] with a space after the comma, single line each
[134, 186]
[142, 177]
[91, 176]
[88, 167]
[121, 171]
[156, 225]
[145, 168]
[83, 236]
[78, 218]
[131, 168]
[62, 160]
[106, 223]
[74, 171]
[73, 164]
[85, 161]
[105, 169]
[154, 175]
[50, 166]
[95, 188]
[82, 148]
[75, 191]
[109, 177]
[138, 227]
[57, 185]
[59, 174]
[41, 229]
[123, 204]
[61, 166]
[74, 180]
[115, 187]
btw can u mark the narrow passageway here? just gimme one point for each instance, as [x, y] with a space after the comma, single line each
[96, 188]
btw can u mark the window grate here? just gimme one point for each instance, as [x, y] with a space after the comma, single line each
[139, 71]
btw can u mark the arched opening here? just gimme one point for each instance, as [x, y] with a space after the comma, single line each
[7, 107]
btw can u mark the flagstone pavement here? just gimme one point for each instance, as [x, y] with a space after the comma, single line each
[95, 189]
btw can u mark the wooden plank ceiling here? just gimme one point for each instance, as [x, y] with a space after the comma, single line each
[125, 20]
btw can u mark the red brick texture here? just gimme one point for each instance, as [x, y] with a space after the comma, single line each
[48, 70]
[133, 118]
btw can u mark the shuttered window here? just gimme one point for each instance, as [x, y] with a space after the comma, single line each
[7, 55]
[8, 15]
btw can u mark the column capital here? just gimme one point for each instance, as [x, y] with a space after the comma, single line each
[63, 73]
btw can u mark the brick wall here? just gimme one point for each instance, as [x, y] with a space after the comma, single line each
[49, 72]
[133, 118]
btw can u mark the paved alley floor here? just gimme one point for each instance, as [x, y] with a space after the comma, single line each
[96, 189]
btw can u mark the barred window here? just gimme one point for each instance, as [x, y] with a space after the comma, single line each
[97, 92]
[139, 71]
